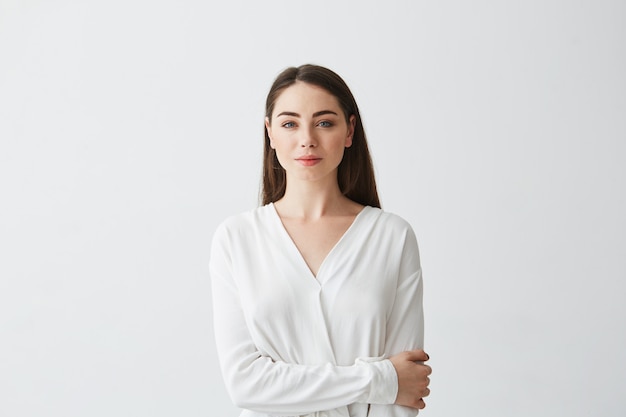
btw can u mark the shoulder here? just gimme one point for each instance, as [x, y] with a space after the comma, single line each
[401, 237]
[391, 229]
[243, 222]
[390, 221]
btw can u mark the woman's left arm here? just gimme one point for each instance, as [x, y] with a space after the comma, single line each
[405, 324]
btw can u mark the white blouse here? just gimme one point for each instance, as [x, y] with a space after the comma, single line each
[293, 344]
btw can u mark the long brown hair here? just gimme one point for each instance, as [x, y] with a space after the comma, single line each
[355, 173]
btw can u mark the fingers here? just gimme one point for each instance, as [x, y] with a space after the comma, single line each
[422, 391]
[421, 404]
[417, 355]
[417, 403]
[413, 380]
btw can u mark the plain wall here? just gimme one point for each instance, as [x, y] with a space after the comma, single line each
[130, 129]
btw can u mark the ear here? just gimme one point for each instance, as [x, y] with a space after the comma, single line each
[268, 128]
[351, 125]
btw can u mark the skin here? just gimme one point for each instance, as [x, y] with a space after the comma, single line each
[309, 132]
[413, 378]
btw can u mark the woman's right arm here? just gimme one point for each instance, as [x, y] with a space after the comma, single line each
[258, 383]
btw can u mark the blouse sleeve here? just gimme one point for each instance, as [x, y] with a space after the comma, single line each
[258, 383]
[405, 325]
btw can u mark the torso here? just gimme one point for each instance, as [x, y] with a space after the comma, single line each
[365, 302]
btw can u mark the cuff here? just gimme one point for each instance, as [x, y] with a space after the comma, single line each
[383, 388]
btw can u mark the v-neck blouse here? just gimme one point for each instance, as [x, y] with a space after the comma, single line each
[294, 249]
[292, 344]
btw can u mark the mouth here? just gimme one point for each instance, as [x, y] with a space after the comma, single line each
[308, 160]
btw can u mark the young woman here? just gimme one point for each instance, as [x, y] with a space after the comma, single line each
[317, 294]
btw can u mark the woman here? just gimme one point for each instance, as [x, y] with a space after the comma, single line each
[318, 293]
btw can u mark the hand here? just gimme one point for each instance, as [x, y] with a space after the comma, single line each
[412, 378]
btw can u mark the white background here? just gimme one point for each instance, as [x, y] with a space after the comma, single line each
[130, 129]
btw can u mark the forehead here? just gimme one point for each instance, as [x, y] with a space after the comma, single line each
[305, 99]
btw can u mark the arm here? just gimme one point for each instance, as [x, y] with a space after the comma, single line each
[256, 382]
[405, 333]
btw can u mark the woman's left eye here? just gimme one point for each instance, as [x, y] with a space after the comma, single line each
[325, 123]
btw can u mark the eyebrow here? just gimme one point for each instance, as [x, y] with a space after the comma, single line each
[316, 114]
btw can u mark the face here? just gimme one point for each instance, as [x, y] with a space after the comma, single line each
[309, 132]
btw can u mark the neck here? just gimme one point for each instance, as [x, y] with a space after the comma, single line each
[312, 199]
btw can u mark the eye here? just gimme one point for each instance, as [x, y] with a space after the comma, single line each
[288, 125]
[325, 123]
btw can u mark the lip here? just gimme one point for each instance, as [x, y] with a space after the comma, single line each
[308, 160]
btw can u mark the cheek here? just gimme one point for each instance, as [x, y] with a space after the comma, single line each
[340, 150]
[280, 151]
[280, 159]
[280, 146]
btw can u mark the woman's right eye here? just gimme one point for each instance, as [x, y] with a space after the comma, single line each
[289, 125]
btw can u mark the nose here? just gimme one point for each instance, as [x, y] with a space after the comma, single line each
[307, 140]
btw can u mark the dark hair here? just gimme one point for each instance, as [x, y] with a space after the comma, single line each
[355, 173]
